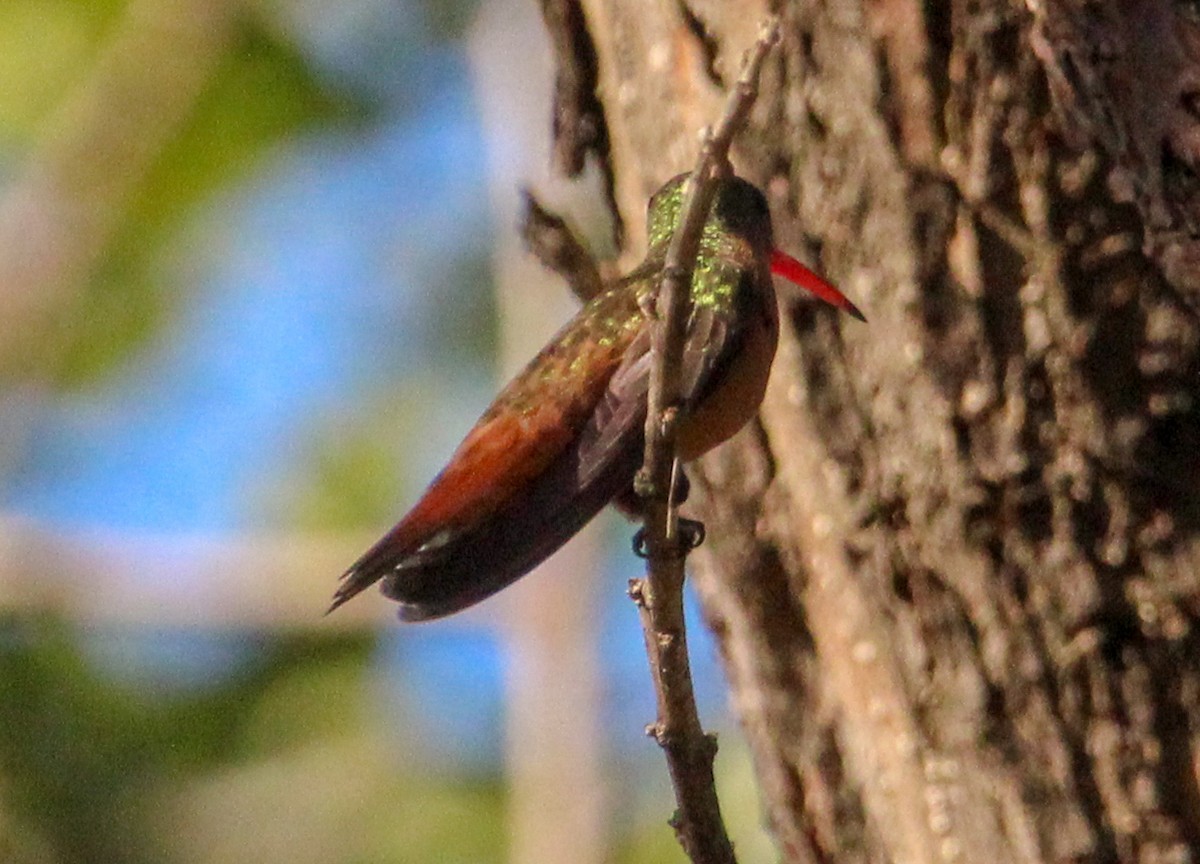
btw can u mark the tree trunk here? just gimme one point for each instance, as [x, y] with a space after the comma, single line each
[953, 566]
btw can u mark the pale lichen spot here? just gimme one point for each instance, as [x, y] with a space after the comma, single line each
[659, 56]
[864, 651]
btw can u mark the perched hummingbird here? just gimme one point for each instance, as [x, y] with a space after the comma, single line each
[565, 437]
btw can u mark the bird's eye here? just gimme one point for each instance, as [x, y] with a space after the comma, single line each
[759, 202]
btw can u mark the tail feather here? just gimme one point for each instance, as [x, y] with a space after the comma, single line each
[376, 562]
[457, 569]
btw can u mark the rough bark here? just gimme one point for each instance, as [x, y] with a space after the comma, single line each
[954, 566]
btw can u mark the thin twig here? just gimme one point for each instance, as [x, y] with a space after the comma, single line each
[580, 127]
[555, 245]
[659, 596]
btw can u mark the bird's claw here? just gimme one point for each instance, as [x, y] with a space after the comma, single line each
[691, 533]
[691, 536]
[683, 486]
[640, 548]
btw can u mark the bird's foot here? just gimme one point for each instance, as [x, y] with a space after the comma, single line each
[679, 495]
[691, 535]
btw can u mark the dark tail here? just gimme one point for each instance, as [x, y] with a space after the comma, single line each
[451, 572]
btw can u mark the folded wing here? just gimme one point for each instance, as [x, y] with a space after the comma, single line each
[524, 482]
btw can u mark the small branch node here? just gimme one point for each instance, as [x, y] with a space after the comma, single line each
[676, 272]
[644, 485]
[670, 421]
[648, 304]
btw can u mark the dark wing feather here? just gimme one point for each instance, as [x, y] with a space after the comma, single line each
[711, 342]
[533, 422]
[445, 576]
[456, 569]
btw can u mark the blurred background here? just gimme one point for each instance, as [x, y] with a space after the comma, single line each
[258, 275]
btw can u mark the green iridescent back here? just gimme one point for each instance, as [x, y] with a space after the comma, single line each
[737, 232]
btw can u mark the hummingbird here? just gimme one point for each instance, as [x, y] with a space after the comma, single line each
[566, 436]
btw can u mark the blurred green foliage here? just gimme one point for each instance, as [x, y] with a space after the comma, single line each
[350, 475]
[263, 93]
[93, 770]
[45, 45]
